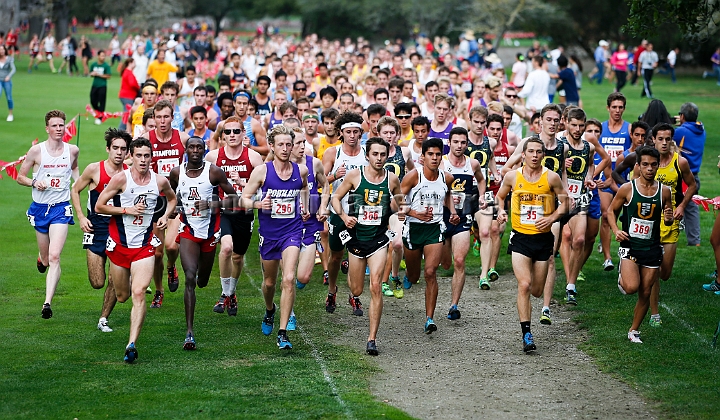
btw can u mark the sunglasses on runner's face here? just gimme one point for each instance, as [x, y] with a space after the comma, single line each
[402, 117]
[234, 130]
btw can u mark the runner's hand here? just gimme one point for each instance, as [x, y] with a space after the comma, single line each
[322, 216]
[136, 210]
[455, 219]
[590, 184]
[621, 236]
[679, 213]
[544, 223]
[668, 215]
[86, 225]
[502, 216]
[162, 223]
[266, 204]
[350, 222]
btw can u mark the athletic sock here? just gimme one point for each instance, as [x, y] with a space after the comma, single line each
[570, 287]
[292, 312]
[525, 327]
[103, 319]
[282, 332]
[545, 308]
[655, 316]
[270, 313]
[225, 283]
[232, 286]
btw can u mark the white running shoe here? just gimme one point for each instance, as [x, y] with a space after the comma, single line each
[103, 326]
[608, 265]
[10, 118]
[634, 336]
[98, 121]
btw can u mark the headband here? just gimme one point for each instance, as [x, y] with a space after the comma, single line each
[308, 116]
[154, 89]
[351, 124]
[245, 94]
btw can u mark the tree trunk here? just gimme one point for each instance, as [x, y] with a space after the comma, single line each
[60, 18]
[508, 24]
[217, 19]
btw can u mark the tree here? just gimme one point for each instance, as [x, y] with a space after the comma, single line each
[697, 20]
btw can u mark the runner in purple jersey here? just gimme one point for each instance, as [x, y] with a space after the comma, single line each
[283, 185]
[441, 123]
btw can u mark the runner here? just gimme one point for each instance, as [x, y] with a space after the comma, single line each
[53, 163]
[535, 190]
[236, 223]
[274, 118]
[427, 189]
[253, 128]
[338, 161]
[284, 191]
[332, 134]
[421, 130]
[399, 163]
[403, 114]
[442, 120]
[195, 182]
[168, 149]
[640, 250]
[468, 197]
[371, 188]
[95, 226]
[134, 194]
[169, 91]
[198, 114]
[147, 101]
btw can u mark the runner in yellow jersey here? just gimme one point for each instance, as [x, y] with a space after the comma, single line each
[534, 191]
[332, 135]
[149, 97]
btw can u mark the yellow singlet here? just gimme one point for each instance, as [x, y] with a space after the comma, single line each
[324, 145]
[530, 202]
[136, 119]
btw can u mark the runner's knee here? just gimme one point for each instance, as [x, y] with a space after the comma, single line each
[578, 242]
[159, 252]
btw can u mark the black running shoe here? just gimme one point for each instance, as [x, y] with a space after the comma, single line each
[221, 304]
[372, 348]
[46, 311]
[232, 307]
[158, 299]
[173, 280]
[344, 266]
[189, 343]
[354, 301]
[528, 343]
[330, 304]
[326, 278]
[40, 266]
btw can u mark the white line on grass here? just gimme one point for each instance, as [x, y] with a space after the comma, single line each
[320, 361]
[685, 324]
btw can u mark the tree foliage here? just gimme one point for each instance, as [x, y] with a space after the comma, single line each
[697, 19]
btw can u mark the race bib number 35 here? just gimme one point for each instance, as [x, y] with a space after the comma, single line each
[282, 208]
[370, 215]
[530, 214]
[641, 229]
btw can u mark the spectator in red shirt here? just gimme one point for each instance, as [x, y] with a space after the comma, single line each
[129, 87]
[636, 73]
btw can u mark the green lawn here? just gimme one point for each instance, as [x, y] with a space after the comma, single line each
[65, 368]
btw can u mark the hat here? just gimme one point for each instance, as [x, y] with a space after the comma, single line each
[603, 43]
[492, 58]
[171, 44]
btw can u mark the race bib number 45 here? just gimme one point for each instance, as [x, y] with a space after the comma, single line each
[530, 214]
[282, 208]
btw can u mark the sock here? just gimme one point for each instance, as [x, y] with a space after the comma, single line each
[545, 308]
[282, 332]
[103, 319]
[525, 327]
[292, 313]
[655, 316]
[225, 283]
[271, 312]
[570, 287]
[232, 286]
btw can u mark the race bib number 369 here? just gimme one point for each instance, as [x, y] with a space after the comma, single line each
[641, 229]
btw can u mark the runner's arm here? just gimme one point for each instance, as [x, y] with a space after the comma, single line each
[348, 183]
[668, 218]
[251, 187]
[115, 186]
[621, 165]
[87, 178]
[260, 138]
[27, 165]
[618, 201]
[689, 180]
[504, 190]
[323, 183]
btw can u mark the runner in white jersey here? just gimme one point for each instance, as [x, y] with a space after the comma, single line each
[134, 193]
[53, 163]
[421, 129]
[195, 182]
[427, 189]
[337, 161]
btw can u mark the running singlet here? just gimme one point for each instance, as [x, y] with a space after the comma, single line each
[273, 121]
[615, 143]
[56, 173]
[283, 219]
[202, 224]
[241, 165]
[178, 121]
[396, 163]
[481, 152]
[641, 219]
[555, 158]
[205, 137]
[428, 194]
[134, 231]
[415, 156]
[464, 188]
[249, 131]
[166, 155]
[671, 176]
[99, 188]
[370, 204]
[263, 109]
[312, 224]
[530, 202]
[136, 125]
[577, 172]
[443, 135]
[350, 163]
[324, 145]
[501, 157]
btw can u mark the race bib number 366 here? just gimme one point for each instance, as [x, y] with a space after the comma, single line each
[370, 215]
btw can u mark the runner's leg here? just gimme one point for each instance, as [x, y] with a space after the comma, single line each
[141, 272]
[189, 256]
[432, 260]
[460, 247]
[57, 235]
[376, 263]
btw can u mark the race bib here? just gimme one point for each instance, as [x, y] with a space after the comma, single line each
[530, 214]
[344, 237]
[31, 219]
[390, 234]
[585, 199]
[467, 86]
[489, 198]
[640, 228]
[155, 242]
[458, 198]
[88, 238]
[574, 188]
[370, 215]
[614, 152]
[110, 244]
[56, 182]
[623, 252]
[167, 165]
[282, 208]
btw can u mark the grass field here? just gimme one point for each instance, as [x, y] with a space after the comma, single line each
[65, 368]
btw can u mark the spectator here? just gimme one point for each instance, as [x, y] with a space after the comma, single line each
[141, 63]
[670, 64]
[690, 138]
[100, 72]
[619, 62]
[536, 86]
[7, 69]
[648, 61]
[715, 66]
[639, 50]
[600, 61]
[519, 71]
[129, 87]
[566, 82]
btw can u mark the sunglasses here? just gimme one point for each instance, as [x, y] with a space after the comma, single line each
[301, 89]
[511, 96]
[402, 117]
[234, 130]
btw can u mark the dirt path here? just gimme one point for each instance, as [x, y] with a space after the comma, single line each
[474, 367]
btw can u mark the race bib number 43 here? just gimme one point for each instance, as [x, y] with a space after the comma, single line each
[641, 229]
[574, 188]
[530, 214]
[282, 208]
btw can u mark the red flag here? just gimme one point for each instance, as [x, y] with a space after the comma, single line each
[126, 114]
[70, 131]
[12, 170]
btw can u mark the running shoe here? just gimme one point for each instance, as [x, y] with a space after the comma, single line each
[406, 283]
[103, 326]
[398, 292]
[545, 317]
[46, 311]
[157, 300]
[634, 336]
[221, 304]
[484, 284]
[131, 353]
[372, 348]
[299, 285]
[367, 270]
[326, 278]
[713, 286]
[453, 313]
[402, 265]
[232, 306]
[344, 266]
[189, 343]
[528, 343]
[581, 276]
[655, 322]
[493, 274]
[173, 280]
[148, 291]
[476, 247]
[40, 266]
[717, 293]
[354, 302]
[430, 326]
[386, 289]
[599, 248]
[283, 342]
[571, 297]
[292, 323]
[268, 322]
[608, 265]
[330, 304]
[713, 275]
